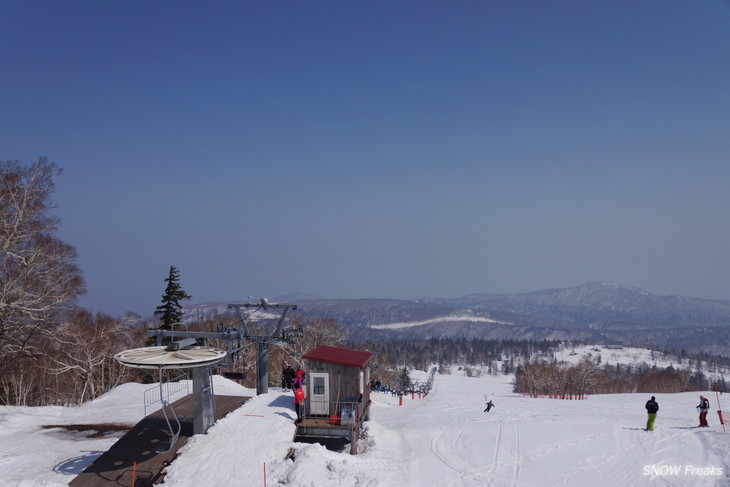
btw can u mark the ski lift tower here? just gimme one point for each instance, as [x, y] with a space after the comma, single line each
[264, 341]
[234, 337]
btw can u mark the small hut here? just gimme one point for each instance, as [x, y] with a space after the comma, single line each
[338, 379]
[338, 392]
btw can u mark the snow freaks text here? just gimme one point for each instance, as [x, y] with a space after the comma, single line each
[682, 470]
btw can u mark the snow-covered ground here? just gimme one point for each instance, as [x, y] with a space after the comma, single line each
[444, 439]
[624, 355]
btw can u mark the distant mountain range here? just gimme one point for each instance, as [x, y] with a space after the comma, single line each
[599, 312]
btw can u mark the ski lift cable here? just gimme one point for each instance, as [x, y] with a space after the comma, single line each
[244, 318]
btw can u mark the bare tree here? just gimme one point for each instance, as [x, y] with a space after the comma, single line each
[534, 377]
[85, 348]
[586, 376]
[320, 331]
[38, 274]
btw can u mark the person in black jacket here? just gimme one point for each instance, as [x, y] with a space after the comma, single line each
[651, 408]
[288, 377]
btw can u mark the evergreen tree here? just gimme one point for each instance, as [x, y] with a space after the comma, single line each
[170, 311]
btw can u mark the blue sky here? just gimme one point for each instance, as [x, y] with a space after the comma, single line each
[377, 149]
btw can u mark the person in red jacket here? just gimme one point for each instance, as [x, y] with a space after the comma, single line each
[298, 377]
[299, 404]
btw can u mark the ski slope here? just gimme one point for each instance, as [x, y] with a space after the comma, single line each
[444, 439]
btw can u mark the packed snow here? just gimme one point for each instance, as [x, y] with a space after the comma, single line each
[444, 439]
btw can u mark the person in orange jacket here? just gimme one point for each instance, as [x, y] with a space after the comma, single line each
[299, 404]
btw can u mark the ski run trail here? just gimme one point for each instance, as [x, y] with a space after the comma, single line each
[448, 440]
[442, 440]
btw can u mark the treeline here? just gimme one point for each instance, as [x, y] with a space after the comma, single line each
[540, 377]
[498, 356]
[70, 362]
[73, 362]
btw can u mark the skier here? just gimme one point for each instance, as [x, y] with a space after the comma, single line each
[703, 406]
[651, 408]
[490, 405]
[299, 404]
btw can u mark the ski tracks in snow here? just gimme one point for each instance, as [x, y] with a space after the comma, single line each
[502, 470]
[448, 448]
[506, 461]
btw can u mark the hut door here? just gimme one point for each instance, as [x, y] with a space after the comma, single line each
[319, 397]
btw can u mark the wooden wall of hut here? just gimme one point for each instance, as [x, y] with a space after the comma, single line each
[344, 384]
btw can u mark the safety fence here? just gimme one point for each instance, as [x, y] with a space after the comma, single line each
[169, 388]
[569, 397]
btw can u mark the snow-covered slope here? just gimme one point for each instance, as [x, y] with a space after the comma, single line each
[444, 439]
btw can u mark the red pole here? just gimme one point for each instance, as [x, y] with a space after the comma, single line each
[264, 474]
[400, 401]
[719, 409]
[134, 472]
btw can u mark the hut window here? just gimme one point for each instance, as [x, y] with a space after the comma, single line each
[318, 385]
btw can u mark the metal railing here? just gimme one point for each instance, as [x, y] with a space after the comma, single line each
[169, 388]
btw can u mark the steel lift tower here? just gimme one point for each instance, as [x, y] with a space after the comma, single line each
[263, 341]
[235, 337]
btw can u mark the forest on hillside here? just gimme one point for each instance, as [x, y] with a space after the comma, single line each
[538, 372]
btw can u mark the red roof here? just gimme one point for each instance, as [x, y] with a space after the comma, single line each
[342, 356]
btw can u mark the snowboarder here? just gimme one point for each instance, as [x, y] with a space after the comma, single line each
[490, 405]
[299, 404]
[288, 377]
[703, 407]
[651, 408]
